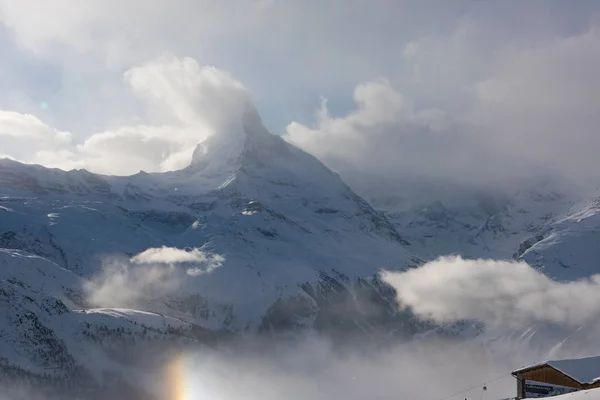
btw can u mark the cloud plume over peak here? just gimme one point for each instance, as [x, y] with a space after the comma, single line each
[193, 94]
[184, 101]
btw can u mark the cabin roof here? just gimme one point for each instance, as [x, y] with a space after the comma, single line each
[583, 370]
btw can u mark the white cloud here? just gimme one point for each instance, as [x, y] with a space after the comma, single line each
[121, 284]
[128, 150]
[206, 262]
[191, 101]
[541, 104]
[505, 113]
[120, 33]
[193, 94]
[500, 293]
[195, 101]
[28, 126]
[148, 277]
[24, 135]
[65, 159]
[387, 135]
[314, 369]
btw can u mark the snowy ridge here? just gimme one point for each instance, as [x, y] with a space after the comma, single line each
[569, 247]
[480, 225]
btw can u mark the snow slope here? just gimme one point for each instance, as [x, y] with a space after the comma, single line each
[568, 248]
[551, 224]
[476, 224]
[45, 335]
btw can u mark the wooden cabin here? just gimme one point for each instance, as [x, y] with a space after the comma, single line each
[551, 378]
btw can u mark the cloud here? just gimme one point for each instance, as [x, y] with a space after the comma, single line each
[121, 284]
[191, 92]
[500, 293]
[471, 114]
[131, 149]
[117, 34]
[208, 262]
[313, 368]
[386, 141]
[193, 101]
[26, 125]
[147, 277]
[540, 104]
[385, 133]
[24, 135]
[189, 103]
[474, 93]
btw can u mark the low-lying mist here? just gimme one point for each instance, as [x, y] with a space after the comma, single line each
[313, 367]
[153, 274]
[518, 317]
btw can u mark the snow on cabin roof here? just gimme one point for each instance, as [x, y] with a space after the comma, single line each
[583, 370]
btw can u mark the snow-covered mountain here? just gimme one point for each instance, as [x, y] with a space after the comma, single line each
[549, 227]
[501, 224]
[256, 236]
[569, 247]
[281, 244]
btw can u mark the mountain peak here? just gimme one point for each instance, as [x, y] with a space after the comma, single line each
[224, 149]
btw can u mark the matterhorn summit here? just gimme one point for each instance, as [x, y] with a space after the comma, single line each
[273, 240]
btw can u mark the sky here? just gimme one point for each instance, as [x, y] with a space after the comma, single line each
[468, 91]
